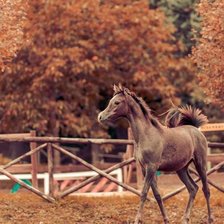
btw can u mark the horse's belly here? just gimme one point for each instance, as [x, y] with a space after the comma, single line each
[174, 159]
[173, 165]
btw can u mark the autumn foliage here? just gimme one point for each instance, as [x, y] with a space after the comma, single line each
[78, 49]
[12, 20]
[209, 53]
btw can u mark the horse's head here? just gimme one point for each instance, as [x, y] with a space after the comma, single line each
[117, 107]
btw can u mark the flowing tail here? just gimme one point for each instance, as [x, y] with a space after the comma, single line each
[185, 115]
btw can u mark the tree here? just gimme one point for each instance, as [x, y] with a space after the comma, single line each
[209, 53]
[183, 15]
[60, 79]
[12, 20]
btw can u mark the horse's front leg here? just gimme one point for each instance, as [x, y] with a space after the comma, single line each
[149, 175]
[159, 200]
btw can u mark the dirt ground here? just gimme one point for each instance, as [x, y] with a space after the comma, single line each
[28, 208]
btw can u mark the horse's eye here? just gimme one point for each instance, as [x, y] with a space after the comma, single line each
[116, 102]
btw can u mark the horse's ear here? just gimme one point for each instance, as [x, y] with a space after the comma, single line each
[121, 88]
[127, 91]
[115, 88]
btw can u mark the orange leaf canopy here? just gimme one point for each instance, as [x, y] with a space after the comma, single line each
[209, 53]
[78, 49]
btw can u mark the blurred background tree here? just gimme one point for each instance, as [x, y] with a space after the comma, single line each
[209, 53]
[12, 21]
[187, 21]
[208, 57]
[182, 14]
[77, 50]
[60, 79]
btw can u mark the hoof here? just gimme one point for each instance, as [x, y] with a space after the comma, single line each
[185, 221]
[138, 220]
[210, 220]
[166, 221]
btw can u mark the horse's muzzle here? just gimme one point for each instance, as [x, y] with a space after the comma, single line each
[101, 118]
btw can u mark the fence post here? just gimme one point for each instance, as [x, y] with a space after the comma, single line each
[209, 164]
[128, 170]
[50, 168]
[34, 161]
[95, 153]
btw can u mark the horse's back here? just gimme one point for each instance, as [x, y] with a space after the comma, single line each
[190, 131]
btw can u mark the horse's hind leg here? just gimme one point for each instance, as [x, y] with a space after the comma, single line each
[159, 199]
[200, 165]
[192, 189]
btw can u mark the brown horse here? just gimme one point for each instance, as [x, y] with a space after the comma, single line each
[166, 148]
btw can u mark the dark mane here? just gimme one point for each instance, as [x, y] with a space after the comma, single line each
[144, 107]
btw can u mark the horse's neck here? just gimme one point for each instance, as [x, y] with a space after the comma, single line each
[136, 127]
[142, 128]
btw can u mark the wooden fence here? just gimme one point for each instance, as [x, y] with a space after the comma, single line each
[52, 144]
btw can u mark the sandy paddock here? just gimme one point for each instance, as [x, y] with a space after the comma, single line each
[24, 207]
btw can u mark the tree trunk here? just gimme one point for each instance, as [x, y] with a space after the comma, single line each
[54, 127]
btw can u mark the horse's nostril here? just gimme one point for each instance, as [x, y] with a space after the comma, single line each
[99, 117]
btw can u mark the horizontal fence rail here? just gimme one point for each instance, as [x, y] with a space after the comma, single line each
[68, 140]
[83, 141]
